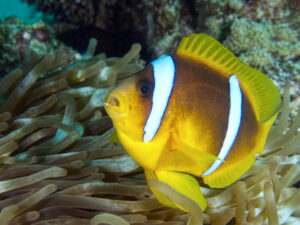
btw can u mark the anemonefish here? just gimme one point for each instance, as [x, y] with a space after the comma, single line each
[199, 112]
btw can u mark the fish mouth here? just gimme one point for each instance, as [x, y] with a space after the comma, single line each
[112, 101]
[114, 107]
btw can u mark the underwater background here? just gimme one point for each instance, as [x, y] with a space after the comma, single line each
[59, 59]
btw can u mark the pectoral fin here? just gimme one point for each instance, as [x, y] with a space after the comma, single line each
[195, 154]
[183, 183]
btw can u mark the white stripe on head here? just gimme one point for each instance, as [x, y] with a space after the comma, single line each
[234, 122]
[164, 75]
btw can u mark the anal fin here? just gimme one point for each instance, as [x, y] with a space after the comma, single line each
[182, 183]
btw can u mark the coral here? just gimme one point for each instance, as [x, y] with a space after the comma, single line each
[164, 18]
[279, 39]
[236, 4]
[76, 11]
[19, 40]
[102, 14]
[257, 57]
[214, 26]
[157, 24]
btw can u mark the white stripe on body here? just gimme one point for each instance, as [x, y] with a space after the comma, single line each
[234, 122]
[164, 75]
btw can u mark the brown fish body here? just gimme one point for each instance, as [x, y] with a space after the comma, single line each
[199, 108]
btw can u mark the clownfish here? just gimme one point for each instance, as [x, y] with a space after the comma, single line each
[200, 112]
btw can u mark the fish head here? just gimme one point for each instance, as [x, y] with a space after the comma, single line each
[129, 104]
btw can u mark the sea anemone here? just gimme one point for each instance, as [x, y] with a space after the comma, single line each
[59, 165]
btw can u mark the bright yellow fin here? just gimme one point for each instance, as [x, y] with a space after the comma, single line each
[160, 197]
[229, 174]
[261, 91]
[181, 182]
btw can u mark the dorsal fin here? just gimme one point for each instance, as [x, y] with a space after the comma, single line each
[260, 90]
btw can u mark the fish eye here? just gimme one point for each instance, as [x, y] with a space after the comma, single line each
[144, 88]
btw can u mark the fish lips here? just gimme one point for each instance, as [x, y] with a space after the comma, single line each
[115, 106]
